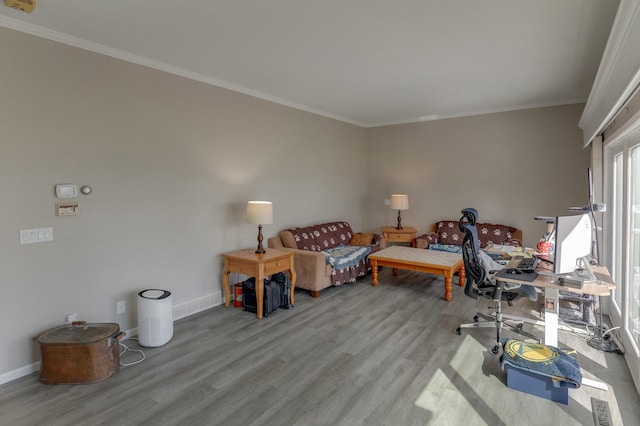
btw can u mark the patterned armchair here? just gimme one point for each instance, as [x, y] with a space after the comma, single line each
[446, 235]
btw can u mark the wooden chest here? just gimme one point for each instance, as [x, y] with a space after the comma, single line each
[79, 353]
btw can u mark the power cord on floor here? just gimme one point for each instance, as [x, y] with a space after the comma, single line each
[603, 338]
[127, 349]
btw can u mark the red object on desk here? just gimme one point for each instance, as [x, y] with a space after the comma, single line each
[544, 247]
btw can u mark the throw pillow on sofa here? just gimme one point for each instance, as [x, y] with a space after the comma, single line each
[361, 239]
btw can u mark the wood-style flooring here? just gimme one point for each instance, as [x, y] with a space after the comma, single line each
[358, 355]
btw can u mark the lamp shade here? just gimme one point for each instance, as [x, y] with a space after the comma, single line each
[260, 212]
[399, 202]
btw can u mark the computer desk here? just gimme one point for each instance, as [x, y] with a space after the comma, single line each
[551, 287]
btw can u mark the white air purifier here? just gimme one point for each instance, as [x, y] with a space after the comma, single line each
[155, 317]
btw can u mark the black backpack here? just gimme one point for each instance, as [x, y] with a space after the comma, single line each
[276, 294]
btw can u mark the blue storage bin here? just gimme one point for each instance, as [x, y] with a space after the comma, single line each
[541, 370]
[536, 384]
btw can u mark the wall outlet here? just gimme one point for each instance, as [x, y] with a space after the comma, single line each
[387, 202]
[71, 318]
[121, 307]
[28, 236]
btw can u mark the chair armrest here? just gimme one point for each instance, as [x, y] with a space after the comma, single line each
[424, 240]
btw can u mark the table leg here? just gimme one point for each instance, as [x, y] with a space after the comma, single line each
[551, 310]
[374, 272]
[292, 277]
[448, 286]
[462, 277]
[260, 290]
[225, 284]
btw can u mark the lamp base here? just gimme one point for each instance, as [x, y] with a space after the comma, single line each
[260, 249]
[399, 227]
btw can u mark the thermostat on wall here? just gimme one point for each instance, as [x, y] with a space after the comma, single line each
[66, 190]
[69, 208]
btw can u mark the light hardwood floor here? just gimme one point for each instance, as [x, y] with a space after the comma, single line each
[358, 355]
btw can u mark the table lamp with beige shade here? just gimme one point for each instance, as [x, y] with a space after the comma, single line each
[399, 202]
[260, 213]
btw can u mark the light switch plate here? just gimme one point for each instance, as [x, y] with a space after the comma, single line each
[66, 190]
[38, 235]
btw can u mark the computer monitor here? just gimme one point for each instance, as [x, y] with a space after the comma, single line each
[573, 243]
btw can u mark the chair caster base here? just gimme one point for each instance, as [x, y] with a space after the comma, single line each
[458, 331]
[495, 349]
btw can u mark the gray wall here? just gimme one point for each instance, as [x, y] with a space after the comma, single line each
[172, 163]
[484, 162]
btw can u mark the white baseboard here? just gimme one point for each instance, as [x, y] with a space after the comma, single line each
[19, 372]
[181, 310]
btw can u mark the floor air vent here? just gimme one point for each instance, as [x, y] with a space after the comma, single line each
[601, 413]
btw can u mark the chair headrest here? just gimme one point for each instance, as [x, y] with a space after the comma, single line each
[470, 214]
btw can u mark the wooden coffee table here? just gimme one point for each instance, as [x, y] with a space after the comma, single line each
[421, 260]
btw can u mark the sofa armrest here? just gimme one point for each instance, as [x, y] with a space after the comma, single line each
[379, 240]
[275, 242]
[424, 240]
[310, 266]
[513, 242]
[311, 269]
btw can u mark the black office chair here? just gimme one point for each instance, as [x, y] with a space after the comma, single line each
[480, 282]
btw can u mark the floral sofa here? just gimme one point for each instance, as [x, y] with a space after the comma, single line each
[446, 235]
[328, 254]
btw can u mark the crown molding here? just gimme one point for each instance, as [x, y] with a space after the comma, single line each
[77, 42]
[45, 33]
[434, 117]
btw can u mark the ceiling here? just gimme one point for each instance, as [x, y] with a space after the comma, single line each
[366, 62]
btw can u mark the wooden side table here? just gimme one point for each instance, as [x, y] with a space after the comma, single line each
[405, 235]
[248, 262]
